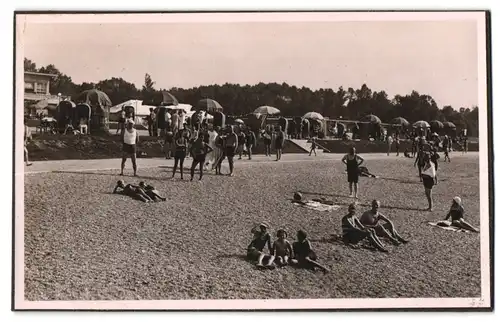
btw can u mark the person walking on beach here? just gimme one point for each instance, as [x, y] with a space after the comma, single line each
[428, 178]
[181, 143]
[313, 146]
[229, 150]
[266, 136]
[199, 151]
[130, 138]
[279, 142]
[389, 144]
[250, 142]
[352, 160]
[27, 137]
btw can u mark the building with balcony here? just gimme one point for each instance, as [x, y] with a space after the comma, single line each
[37, 94]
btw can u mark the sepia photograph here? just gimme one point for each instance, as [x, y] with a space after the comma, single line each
[252, 160]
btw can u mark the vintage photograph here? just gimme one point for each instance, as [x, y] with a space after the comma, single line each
[277, 160]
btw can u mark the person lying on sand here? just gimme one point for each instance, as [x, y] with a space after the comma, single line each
[282, 249]
[303, 254]
[131, 191]
[353, 231]
[456, 214]
[363, 172]
[255, 251]
[372, 218]
[151, 192]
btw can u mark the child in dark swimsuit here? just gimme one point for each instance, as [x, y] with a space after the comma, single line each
[303, 254]
[255, 251]
[131, 191]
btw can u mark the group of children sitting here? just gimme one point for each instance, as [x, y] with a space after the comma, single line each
[142, 192]
[281, 252]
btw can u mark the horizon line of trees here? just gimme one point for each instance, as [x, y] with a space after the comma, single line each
[350, 104]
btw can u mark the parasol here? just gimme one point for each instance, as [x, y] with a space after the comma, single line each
[436, 124]
[209, 105]
[372, 119]
[93, 97]
[400, 121]
[266, 110]
[449, 125]
[313, 116]
[239, 121]
[421, 124]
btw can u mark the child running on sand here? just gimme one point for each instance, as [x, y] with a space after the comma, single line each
[282, 249]
[255, 251]
[151, 192]
[131, 191]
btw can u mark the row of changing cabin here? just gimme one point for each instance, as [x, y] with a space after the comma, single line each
[96, 118]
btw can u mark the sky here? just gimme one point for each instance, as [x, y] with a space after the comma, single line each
[438, 58]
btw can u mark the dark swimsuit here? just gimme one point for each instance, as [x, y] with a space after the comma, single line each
[352, 170]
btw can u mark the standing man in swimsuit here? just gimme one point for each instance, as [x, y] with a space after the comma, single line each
[353, 161]
[279, 142]
[230, 145]
[130, 138]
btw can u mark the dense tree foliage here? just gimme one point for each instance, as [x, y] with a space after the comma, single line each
[351, 104]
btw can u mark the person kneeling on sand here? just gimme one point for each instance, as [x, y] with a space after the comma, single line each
[151, 191]
[131, 191]
[372, 218]
[456, 214]
[353, 231]
[282, 249]
[303, 254]
[255, 251]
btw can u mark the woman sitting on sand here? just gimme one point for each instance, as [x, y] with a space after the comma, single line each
[353, 231]
[456, 214]
[151, 192]
[131, 191]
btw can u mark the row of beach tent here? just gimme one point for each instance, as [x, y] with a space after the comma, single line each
[95, 98]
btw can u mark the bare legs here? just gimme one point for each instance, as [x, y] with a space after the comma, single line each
[26, 159]
[465, 225]
[388, 230]
[133, 157]
[178, 161]
[312, 150]
[353, 186]
[375, 241]
[428, 194]
[193, 167]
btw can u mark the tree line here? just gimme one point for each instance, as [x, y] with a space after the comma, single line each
[349, 104]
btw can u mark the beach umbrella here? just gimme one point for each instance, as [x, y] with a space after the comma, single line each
[239, 121]
[449, 125]
[313, 116]
[436, 124]
[266, 110]
[93, 97]
[421, 124]
[400, 121]
[372, 119]
[209, 105]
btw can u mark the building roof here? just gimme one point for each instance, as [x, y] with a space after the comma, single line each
[40, 74]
